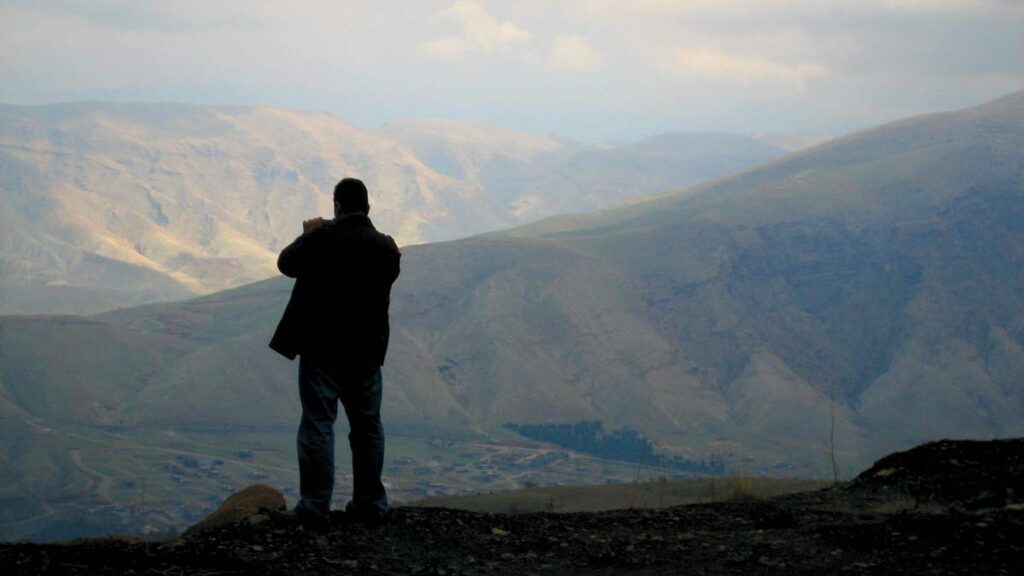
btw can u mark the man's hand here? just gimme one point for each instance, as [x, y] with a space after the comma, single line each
[311, 224]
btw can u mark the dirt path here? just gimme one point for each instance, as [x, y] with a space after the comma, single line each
[95, 482]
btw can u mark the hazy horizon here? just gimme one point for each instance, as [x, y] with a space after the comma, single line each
[792, 141]
[594, 71]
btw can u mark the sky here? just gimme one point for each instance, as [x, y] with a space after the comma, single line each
[593, 70]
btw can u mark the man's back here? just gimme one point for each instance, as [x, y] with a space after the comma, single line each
[338, 312]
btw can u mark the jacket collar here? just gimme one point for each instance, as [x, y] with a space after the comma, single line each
[357, 220]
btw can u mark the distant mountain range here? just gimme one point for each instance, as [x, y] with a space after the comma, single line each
[883, 269]
[106, 205]
[878, 278]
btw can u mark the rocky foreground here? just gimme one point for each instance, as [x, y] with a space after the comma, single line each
[949, 507]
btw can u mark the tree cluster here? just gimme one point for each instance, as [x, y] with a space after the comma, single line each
[623, 444]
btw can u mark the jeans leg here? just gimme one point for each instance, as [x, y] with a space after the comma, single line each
[361, 400]
[315, 442]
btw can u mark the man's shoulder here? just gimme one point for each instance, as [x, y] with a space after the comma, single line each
[388, 241]
[360, 226]
[386, 244]
[365, 226]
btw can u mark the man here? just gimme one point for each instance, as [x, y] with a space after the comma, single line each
[337, 323]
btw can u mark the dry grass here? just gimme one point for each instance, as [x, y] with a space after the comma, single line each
[660, 493]
[741, 488]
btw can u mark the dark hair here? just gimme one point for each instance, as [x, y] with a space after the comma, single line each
[351, 194]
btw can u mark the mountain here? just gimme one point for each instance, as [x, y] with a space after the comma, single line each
[540, 175]
[876, 279]
[792, 142]
[878, 269]
[109, 205]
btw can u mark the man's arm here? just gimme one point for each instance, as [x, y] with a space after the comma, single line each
[293, 260]
[391, 265]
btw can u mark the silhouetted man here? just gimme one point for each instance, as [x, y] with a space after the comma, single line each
[337, 323]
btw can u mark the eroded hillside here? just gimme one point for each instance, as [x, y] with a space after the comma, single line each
[108, 205]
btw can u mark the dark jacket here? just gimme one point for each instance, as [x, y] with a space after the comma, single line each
[338, 311]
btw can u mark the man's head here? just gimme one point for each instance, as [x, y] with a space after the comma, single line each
[350, 197]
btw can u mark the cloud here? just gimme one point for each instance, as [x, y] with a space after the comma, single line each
[573, 53]
[481, 32]
[181, 15]
[741, 68]
[664, 64]
[763, 8]
[938, 6]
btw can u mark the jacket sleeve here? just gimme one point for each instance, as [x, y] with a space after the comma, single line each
[396, 260]
[295, 259]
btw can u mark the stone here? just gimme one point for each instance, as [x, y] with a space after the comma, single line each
[242, 505]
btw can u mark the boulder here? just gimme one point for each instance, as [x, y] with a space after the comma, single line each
[242, 505]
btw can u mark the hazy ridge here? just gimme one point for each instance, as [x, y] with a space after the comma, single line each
[107, 205]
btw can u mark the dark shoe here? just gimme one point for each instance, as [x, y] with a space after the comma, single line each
[300, 517]
[369, 516]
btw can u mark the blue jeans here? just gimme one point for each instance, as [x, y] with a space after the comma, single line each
[321, 387]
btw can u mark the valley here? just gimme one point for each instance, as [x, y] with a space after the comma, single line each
[160, 481]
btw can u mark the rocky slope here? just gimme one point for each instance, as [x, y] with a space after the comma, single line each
[910, 513]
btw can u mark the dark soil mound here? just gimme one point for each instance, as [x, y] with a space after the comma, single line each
[966, 474]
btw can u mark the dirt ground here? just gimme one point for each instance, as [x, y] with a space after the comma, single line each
[942, 508]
